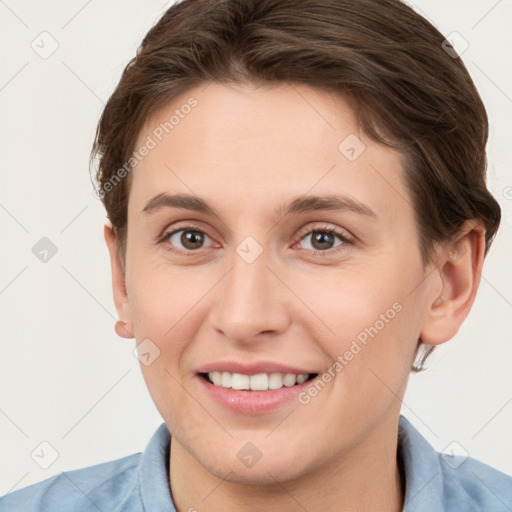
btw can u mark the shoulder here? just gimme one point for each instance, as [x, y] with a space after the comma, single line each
[474, 484]
[448, 482]
[104, 486]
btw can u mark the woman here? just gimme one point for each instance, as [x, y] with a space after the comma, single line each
[298, 210]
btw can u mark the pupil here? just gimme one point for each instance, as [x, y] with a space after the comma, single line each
[321, 237]
[189, 238]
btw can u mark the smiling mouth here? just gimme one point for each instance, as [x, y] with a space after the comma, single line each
[258, 382]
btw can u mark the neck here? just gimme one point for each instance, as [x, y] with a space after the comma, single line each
[368, 478]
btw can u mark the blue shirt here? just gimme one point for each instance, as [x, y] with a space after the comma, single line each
[434, 482]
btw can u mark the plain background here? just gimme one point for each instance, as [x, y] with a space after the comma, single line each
[65, 377]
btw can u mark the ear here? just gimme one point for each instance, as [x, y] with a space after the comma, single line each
[459, 267]
[124, 326]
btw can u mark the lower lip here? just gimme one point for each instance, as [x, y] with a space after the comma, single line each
[252, 402]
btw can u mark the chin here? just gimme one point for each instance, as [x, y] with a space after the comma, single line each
[263, 472]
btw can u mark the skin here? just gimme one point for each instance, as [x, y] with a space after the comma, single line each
[247, 150]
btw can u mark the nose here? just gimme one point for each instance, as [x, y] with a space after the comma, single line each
[252, 302]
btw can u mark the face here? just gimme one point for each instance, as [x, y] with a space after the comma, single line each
[252, 276]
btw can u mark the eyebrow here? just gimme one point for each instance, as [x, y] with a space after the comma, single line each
[299, 204]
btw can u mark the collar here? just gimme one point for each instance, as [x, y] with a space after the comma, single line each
[423, 471]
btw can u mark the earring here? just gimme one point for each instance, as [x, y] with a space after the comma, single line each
[453, 257]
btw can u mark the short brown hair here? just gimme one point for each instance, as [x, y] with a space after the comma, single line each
[408, 93]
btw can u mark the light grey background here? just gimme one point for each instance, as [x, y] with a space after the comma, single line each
[65, 377]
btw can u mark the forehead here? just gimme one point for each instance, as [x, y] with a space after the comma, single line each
[241, 146]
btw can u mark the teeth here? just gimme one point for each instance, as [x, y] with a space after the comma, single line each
[216, 378]
[258, 382]
[239, 381]
[302, 378]
[225, 380]
[275, 381]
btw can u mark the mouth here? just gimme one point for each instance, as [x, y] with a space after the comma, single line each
[255, 387]
[260, 393]
[257, 382]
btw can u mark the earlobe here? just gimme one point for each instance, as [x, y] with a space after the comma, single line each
[459, 268]
[123, 326]
[124, 329]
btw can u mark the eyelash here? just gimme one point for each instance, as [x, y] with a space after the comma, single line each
[343, 236]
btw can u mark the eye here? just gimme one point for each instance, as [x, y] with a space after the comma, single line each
[323, 238]
[190, 237]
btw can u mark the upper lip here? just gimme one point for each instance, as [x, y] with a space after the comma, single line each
[251, 368]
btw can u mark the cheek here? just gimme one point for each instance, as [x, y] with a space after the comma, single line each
[369, 323]
[165, 305]
[351, 303]
[163, 299]
[168, 306]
